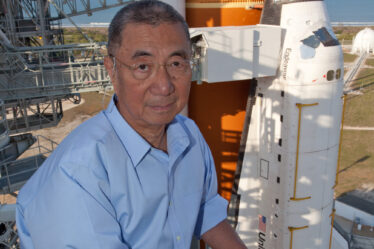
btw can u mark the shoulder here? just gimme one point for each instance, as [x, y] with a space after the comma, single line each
[93, 129]
[84, 139]
[78, 152]
[80, 147]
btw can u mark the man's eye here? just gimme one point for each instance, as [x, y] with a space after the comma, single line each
[176, 64]
[143, 67]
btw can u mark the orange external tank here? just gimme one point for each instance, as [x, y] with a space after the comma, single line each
[219, 108]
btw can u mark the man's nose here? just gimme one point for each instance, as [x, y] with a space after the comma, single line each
[162, 84]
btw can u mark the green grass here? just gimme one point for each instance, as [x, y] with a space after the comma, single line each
[360, 108]
[346, 33]
[346, 42]
[364, 79]
[370, 62]
[357, 155]
[72, 36]
[357, 160]
[345, 36]
[348, 58]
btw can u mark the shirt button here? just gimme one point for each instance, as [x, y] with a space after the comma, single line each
[170, 203]
[178, 238]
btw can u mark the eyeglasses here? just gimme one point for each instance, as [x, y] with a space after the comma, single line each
[177, 67]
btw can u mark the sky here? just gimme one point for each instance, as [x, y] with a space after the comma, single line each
[339, 11]
[350, 10]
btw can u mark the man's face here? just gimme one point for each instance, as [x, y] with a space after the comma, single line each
[154, 101]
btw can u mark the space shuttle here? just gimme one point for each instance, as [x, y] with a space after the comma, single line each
[283, 191]
[292, 150]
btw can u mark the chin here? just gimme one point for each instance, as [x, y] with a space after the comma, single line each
[162, 119]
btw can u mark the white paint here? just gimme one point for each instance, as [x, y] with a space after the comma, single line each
[239, 53]
[302, 77]
[352, 213]
[338, 241]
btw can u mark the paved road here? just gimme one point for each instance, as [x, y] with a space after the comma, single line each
[362, 128]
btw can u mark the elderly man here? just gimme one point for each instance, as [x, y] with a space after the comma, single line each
[137, 175]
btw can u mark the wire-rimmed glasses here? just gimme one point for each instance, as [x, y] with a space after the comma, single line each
[176, 67]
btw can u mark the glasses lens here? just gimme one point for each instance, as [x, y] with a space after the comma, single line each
[142, 70]
[178, 67]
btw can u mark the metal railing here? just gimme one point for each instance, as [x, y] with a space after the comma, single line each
[53, 70]
[14, 174]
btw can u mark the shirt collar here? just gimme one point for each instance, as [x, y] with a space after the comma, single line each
[134, 144]
[178, 138]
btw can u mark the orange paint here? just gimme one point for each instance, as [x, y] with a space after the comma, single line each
[213, 17]
[219, 111]
[219, 108]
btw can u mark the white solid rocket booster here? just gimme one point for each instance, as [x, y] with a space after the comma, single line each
[288, 174]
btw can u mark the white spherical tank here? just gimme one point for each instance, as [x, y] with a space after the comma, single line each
[364, 41]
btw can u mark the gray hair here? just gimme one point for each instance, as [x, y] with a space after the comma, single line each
[150, 12]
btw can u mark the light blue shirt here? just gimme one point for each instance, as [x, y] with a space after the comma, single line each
[105, 187]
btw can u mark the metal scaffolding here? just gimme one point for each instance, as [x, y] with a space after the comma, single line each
[37, 68]
[37, 71]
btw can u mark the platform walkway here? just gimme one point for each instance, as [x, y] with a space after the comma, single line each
[33, 72]
[351, 74]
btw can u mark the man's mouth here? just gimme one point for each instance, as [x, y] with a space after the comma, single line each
[162, 107]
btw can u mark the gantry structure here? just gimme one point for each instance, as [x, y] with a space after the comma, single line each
[37, 72]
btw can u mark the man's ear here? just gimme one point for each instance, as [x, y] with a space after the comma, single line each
[110, 68]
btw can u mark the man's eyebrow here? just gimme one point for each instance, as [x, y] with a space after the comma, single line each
[182, 53]
[140, 53]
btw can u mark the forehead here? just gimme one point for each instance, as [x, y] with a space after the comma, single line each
[157, 40]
